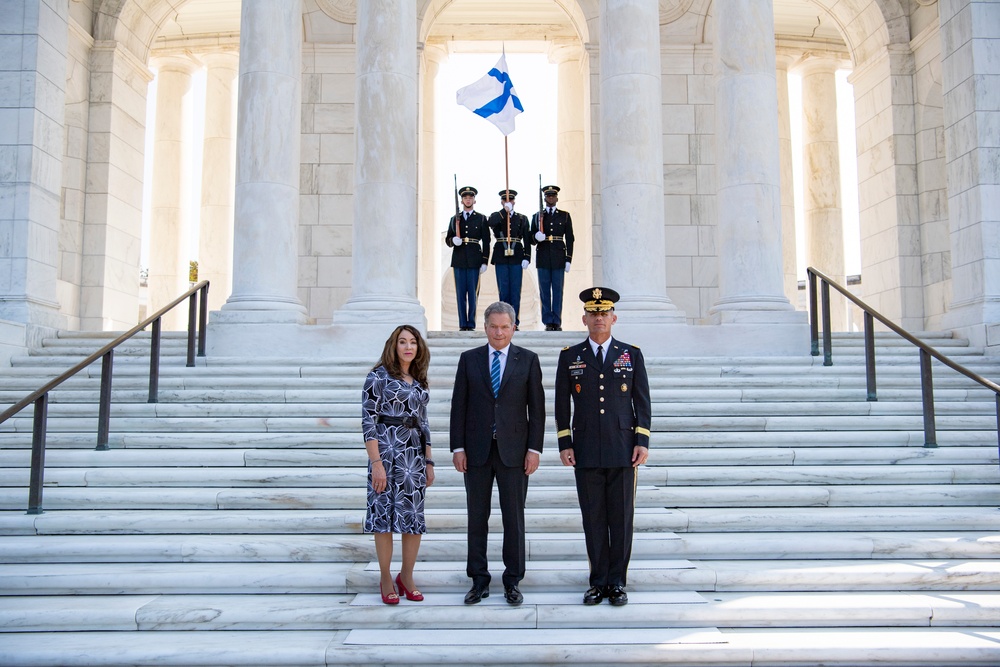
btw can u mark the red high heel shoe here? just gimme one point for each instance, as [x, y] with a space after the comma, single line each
[412, 596]
[391, 598]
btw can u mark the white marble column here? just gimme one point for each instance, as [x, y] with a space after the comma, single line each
[748, 171]
[384, 254]
[789, 250]
[170, 219]
[32, 99]
[633, 251]
[971, 86]
[573, 169]
[821, 173]
[215, 233]
[430, 286]
[265, 238]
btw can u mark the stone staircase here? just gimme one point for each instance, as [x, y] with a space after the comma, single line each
[782, 520]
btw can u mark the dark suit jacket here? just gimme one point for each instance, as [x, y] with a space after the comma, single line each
[519, 411]
[611, 405]
[518, 230]
[469, 255]
[553, 255]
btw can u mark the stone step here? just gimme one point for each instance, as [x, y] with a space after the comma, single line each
[668, 441]
[262, 423]
[534, 645]
[449, 576]
[300, 547]
[799, 453]
[907, 492]
[440, 409]
[648, 475]
[646, 609]
[554, 520]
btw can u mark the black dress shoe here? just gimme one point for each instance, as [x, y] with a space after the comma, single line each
[476, 594]
[558, 328]
[512, 595]
[550, 327]
[594, 595]
[616, 596]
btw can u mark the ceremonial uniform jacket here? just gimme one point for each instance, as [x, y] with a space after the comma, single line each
[519, 228]
[557, 248]
[611, 412]
[475, 248]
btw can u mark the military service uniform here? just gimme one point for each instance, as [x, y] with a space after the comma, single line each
[467, 258]
[552, 257]
[509, 251]
[611, 416]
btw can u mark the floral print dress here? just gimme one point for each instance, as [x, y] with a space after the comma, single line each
[400, 508]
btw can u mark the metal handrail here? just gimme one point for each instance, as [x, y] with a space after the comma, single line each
[926, 351]
[41, 395]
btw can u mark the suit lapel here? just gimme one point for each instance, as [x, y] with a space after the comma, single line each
[512, 359]
[484, 366]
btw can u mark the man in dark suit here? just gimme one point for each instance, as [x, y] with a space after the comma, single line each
[606, 441]
[469, 237]
[502, 443]
[511, 251]
[552, 233]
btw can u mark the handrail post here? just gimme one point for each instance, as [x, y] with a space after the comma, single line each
[813, 315]
[38, 454]
[104, 411]
[870, 356]
[927, 392]
[202, 320]
[154, 362]
[192, 318]
[827, 335]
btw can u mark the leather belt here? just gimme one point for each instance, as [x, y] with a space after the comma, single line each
[509, 240]
[470, 240]
[553, 238]
[409, 421]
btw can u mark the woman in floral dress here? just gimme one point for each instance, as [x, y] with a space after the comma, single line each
[397, 437]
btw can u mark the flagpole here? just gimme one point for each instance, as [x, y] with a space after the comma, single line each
[506, 183]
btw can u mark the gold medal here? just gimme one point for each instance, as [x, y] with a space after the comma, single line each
[624, 387]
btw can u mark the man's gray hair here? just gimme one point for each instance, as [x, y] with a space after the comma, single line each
[500, 307]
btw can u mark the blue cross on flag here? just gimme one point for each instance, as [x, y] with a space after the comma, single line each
[493, 97]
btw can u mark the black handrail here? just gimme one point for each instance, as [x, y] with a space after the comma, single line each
[925, 350]
[40, 396]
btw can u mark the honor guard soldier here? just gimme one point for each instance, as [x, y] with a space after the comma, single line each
[552, 234]
[606, 439]
[511, 250]
[468, 237]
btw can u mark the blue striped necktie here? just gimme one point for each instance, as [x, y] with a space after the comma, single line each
[495, 373]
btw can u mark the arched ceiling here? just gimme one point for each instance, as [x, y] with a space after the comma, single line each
[519, 20]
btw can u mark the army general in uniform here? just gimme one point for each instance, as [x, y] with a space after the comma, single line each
[468, 236]
[552, 236]
[605, 436]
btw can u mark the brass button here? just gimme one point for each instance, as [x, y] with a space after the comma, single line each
[602, 387]
[602, 376]
[602, 410]
[602, 400]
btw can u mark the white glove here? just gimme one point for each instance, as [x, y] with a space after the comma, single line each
[482, 269]
[457, 240]
[567, 267]
[539, 236]
[524, 263]
[508, 206]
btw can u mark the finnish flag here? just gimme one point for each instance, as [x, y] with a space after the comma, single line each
[493, 97]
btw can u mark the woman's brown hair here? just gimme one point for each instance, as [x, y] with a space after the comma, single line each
[418, 367]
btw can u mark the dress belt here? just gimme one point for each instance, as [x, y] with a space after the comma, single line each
[467, 239]
[553, 238]
[509, 240]
[409, 421]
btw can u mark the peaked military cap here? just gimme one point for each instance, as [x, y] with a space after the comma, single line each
[550, 189]
[468, 190]
[599, 299]
[508, 194]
